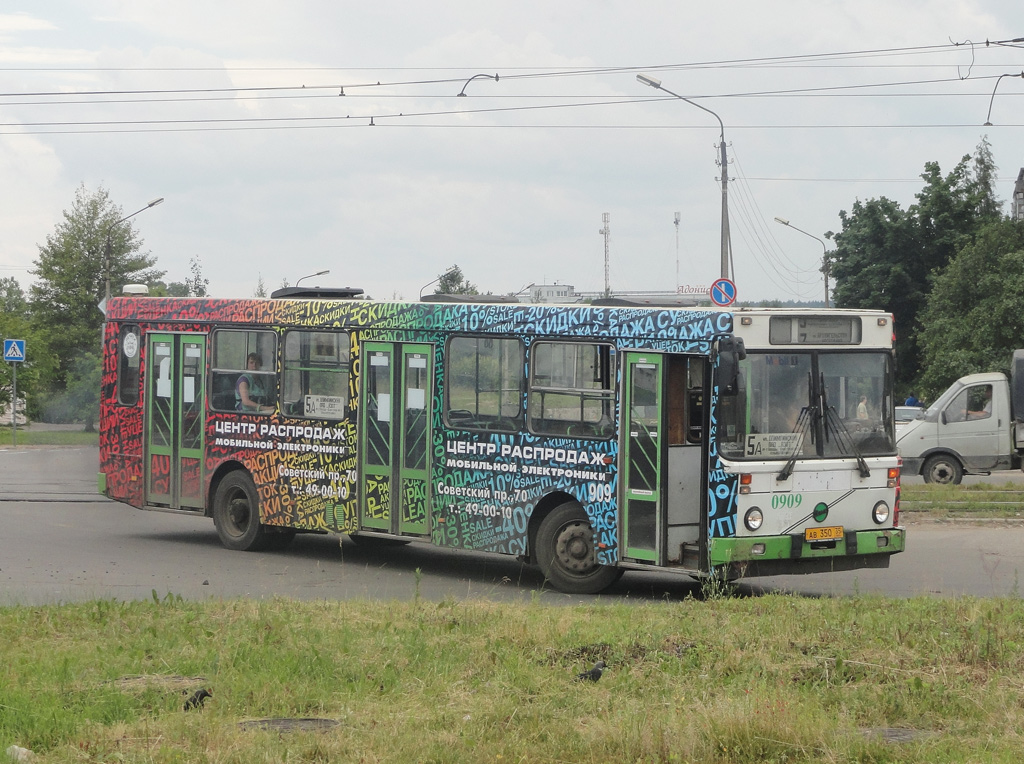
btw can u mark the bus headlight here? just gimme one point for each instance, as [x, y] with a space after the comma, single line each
[753, 519]
[880, 513]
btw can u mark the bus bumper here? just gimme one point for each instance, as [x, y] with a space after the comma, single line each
[783, 555]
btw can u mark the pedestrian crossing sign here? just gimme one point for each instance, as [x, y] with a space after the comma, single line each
[14, 351]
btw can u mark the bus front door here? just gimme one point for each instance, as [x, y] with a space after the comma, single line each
[643, 520]
[394, 437]
[175, 406]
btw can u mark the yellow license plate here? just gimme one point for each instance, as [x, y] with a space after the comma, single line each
[828, 533]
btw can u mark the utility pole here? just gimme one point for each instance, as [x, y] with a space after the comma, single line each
[606, 232]
[726, 241]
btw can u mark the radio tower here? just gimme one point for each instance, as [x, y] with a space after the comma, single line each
[606, 232]
[677, 251]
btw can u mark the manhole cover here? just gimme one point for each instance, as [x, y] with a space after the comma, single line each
[287, 725]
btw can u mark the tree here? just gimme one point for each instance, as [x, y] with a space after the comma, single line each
[195, 286]
[261, 287]
[886, 257]
[453, 282]
[974, 318]
[71, 275]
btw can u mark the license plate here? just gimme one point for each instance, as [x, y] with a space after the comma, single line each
[827, 533]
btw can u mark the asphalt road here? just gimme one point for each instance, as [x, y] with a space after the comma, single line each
[62, 542]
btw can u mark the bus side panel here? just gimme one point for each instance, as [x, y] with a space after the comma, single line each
[304, 469]
[120, 437]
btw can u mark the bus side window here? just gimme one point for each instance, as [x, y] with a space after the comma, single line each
[572, 389]
[128, 357]
[232, 349]
[484, 383]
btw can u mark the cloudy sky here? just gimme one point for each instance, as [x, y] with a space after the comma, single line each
[289, 138]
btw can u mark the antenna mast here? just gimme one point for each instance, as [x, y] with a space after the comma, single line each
[606, 232]
[677, 250]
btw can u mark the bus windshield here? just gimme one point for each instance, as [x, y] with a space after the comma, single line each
[814, 405]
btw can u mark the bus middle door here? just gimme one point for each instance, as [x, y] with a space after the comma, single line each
[175, 409]
[394, 437]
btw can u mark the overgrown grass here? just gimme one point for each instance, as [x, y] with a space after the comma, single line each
[766, 679]
[29, 437]
[964, 501]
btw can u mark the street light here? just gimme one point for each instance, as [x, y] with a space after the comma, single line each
[824, 251]
[462, 92]
[726, 243]
[988, 117]
[451, 269]
[106, 252]
[312, 275]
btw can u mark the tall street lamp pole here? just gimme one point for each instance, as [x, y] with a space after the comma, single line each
[726, 243]
[106, 251]
[824, 251]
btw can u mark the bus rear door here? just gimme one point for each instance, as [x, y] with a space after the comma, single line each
[175, 406]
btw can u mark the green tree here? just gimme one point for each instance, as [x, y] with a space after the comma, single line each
[71, 273]
[886, 257]
[14, 325]
[453, 282]
[974, 318]
[193, 286]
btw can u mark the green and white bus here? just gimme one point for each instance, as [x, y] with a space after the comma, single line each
[589, 440]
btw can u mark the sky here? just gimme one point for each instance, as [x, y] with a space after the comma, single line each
[291, 138]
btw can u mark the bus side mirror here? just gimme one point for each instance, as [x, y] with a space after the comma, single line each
[730, 352]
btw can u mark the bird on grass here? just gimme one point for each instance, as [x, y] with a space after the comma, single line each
[594, 674]
[197, 698]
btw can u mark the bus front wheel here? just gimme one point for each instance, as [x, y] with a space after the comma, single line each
[236, 514]
[567, 554]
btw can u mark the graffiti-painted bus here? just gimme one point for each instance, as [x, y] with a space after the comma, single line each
[588, 440]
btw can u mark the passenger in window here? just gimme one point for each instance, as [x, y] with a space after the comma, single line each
[249, 393]
[862, 408]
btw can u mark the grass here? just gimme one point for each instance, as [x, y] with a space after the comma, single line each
[767, 679]
[974, 501]
[29, 437]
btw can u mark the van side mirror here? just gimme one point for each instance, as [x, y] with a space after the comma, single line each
[730, 352]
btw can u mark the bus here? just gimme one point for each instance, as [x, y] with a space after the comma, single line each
[585, 439]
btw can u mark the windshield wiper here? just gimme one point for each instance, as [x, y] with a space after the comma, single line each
[833, 423]
[802, 426]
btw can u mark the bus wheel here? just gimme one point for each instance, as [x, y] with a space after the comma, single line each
[236, 514]
[567, 555]
[943, 469]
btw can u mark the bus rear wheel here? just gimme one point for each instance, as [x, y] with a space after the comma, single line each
[567, 554]
[236, 514]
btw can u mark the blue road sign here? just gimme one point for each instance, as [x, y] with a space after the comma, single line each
[14, 351]
[723, 292]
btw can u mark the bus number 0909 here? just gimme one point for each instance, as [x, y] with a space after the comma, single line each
[787, 500]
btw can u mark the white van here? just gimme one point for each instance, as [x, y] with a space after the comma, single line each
[969, 429]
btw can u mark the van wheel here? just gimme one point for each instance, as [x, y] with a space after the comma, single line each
[567, 554]
[943, 469]
[236, 514]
